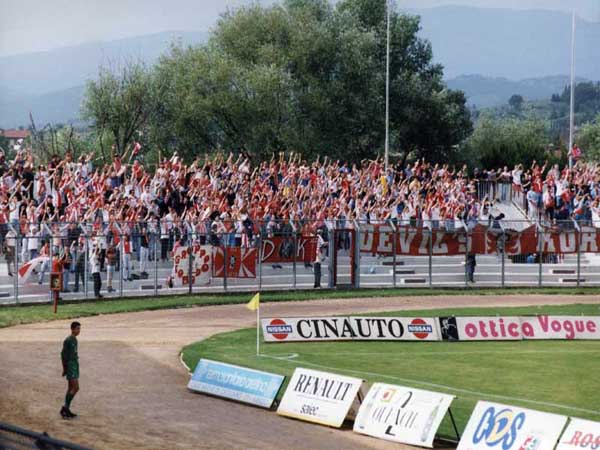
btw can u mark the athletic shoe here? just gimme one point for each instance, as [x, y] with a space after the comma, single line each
[64, 413]
[71, 414]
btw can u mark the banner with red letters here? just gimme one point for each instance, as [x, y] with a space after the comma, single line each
[379, 240]
[279, 249]
[241, 262]
[580, 435]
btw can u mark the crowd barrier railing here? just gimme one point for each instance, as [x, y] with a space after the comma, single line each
[297, 255]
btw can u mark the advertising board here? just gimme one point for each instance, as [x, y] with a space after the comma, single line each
[493, 426]
[235, 383]
[580, 435]
[402, 414]
[350, 328]
[319, 397]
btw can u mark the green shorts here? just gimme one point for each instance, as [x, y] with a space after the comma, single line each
[72, 371]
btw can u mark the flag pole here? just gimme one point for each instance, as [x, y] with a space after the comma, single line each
[572, 100]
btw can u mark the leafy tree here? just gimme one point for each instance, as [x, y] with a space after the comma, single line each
[309, 76]
[516, 102]
[119, 103]
[588, 139]
[496, 143]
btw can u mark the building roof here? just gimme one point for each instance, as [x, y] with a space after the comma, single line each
[15, 134]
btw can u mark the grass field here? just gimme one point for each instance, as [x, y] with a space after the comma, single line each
[553, 376]
[17, 314]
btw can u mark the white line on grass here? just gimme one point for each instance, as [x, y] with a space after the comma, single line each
[473, 394]
[481, 352]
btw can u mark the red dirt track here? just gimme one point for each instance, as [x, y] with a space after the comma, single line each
[133, 386]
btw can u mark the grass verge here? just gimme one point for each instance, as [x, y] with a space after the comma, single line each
[553, 376]
[13, 315]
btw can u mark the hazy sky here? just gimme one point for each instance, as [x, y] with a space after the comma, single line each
[37, 25]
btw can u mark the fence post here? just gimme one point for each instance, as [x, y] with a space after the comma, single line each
[578, 257]
[430, 255]
[394, 256]
[295, 253]
[16, 263]
[122, 258]
[356, 251]
[502, 254]
[260, 258]
[85, 266]
[540, 257]
[225, 262]
[189, 241]
[468, 250]
[155, 266]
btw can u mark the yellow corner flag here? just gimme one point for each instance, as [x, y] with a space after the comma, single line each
[254, 303]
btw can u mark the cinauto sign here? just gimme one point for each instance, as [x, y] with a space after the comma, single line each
[349, 328]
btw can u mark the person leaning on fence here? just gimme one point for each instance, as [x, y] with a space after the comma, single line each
[471, 264]
[79, 265]
[95, 270]
[111, 262]
[317, 266]
[11, 242]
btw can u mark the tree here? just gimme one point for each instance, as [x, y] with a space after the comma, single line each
[308, 76]
[120, 103]
[588, 139]
[496, 143]
[516, 102]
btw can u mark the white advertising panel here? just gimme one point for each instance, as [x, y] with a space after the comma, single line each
[350, 328]
[402, 414]
[560, 327]
[319, 397]
[493, 426]
[580, 435]
[489, 328]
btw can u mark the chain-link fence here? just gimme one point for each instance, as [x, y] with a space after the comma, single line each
[85, 261]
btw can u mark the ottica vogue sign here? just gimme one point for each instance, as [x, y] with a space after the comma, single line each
[516, 328]
[494, 426]
[236, 383]
[349, 328]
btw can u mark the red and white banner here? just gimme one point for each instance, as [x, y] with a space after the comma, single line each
[516, 328]
[580, 435]
[280, 249]
[241, 262]
[27, 269]
[379, 239]
[201, 265]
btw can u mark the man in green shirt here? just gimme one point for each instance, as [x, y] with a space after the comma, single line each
[70, 363]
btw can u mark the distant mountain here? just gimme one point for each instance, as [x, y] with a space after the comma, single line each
[509, 43]
[485, 92]
[51, 84]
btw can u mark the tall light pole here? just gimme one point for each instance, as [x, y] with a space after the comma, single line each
[572, 111]
[387, 87]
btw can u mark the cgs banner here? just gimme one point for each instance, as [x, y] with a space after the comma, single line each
[350, 328]
[493, 426]
[236, 383]
[402, 414]
[580, 435]
[319, 397]
[516, 328]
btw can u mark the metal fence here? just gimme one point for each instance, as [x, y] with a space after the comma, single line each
[85, 263]
[16, 438]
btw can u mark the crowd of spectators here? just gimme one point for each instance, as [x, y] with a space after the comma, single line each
[125, 206]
